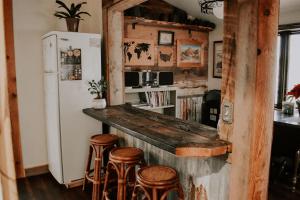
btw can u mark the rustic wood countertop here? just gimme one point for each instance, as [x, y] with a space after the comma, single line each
[176, 136]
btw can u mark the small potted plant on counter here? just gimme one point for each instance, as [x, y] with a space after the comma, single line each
[97, 88]
[72, 15]
[295, 94]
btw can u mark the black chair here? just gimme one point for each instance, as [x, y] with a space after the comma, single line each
[211, 108]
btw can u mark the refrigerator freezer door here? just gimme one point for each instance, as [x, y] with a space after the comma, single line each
[50, 54]
[53, 125]
[76, 127]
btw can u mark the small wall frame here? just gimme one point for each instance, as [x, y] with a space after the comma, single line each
[217, 59]
[165, 38]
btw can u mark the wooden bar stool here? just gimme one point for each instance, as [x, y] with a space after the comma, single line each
[100, 144]
[123, 161]
[156, 181]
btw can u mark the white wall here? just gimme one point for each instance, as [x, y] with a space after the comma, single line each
[216, 35]
[289, 17]
[32, 19]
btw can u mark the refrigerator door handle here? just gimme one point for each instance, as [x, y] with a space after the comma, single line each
[64, 39]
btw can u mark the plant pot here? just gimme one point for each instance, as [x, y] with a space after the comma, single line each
[288, 108]
[72, 24]
[99, 103]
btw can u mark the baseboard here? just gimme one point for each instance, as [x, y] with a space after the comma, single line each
[75, 183]
[38, 170]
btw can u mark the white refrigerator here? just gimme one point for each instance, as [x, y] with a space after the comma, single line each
[70, 61]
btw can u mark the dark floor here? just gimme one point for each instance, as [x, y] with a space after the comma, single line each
[45, 187]
[280, 191]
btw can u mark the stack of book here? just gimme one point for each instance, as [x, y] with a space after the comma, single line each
[158, 99]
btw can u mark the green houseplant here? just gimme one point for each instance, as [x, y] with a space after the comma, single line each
[72, 14]
[97, 88]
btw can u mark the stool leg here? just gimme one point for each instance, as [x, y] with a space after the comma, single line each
[154, 194]
[88, 167]
[97, 176]
[121, 183]
[180, 192]
[134, 193]
[104, 194]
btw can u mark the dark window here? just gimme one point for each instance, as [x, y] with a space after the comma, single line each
[288, 64]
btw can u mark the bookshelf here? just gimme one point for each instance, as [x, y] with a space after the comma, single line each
[161, 100]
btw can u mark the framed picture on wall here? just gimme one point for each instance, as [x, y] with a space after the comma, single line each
[217, 60]
[165, 56]
[138, 52]
[166, 38]
[189, 53]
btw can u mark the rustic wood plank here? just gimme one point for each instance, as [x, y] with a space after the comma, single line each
[115, 57]
[248, 78]
[174, 135]
[268, 11]
[165, 24]
[12, 88]
[229, 62]
[7, 164]
[114, 48]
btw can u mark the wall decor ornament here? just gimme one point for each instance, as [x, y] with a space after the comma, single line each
[217, 59]
[138, 52]
[166, 38]
[190, 53]
[165, 56]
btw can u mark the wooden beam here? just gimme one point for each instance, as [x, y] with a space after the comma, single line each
[115, 57]
[250, 39]
[12, 87]
[7, 165]
[125, 4]
[113, 28]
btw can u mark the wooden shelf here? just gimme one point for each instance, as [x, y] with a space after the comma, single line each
[149, 89]
[149, 22]
[154, 108]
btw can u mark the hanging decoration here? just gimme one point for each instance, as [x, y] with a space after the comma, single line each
[209, 6]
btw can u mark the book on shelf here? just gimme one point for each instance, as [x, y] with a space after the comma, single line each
[158, 99]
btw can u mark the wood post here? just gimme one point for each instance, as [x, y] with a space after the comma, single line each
[250, 38]
[7, 165]
[12, 88]
[113, 27]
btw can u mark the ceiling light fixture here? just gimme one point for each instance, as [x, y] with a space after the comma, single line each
[208, 6]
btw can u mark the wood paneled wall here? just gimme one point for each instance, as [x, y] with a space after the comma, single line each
[7, 164]
[182, 74]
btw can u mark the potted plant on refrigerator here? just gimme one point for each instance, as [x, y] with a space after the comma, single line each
[295, 94]
[97, 88]
[72, 14]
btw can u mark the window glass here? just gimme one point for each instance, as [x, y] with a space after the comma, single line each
[277, 68]
[293, 77]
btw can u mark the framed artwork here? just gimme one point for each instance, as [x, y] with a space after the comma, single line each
[189, 53]
[165, 56]
[138, 52]
[166, 38]
[218, 54]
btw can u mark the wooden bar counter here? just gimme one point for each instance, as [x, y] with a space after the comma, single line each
[195, 150]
